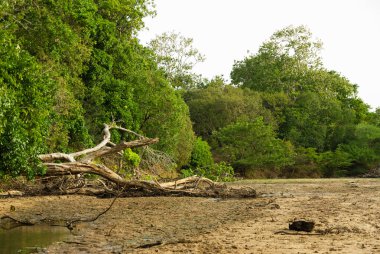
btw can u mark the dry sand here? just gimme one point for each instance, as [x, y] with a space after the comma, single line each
[346, 212]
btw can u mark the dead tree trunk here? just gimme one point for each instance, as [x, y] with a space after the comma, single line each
[60, 164]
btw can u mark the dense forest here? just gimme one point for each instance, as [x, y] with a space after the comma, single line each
[69, 66]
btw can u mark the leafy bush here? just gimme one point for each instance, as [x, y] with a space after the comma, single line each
[131, 158]
[220, 172]
[201, 155]
[252, 145]
[25, 104]
[334, 164]
[306, 164]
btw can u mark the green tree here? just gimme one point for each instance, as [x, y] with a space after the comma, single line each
[374, 117]
[363, 149]
[176, 55]
[281, 62]
[290, 62]
[314, 121]
[25, 103]
[201, 155]
[313, 107]
[335, 164]
[219, 105]
[96, 72]
[306, 164]
[251, 146]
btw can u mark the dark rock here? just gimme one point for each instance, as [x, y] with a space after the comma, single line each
[302, 225]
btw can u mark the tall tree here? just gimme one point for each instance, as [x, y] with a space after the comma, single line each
[314, 107]
[84, 59]
[177, 56]
[25, 107]
[251, 146]
[219, 105]
[281, 62]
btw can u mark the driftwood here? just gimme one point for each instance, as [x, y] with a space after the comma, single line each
[82, 162]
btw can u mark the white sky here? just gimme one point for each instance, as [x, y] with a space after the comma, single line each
[224, 30]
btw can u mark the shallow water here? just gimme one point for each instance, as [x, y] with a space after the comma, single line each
[27, 239]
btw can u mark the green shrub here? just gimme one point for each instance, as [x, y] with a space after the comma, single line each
[201, 155]
[251, 146]
[131, 158]
[220, 172]
[334, 164]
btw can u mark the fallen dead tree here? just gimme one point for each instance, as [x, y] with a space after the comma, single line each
[87, 162]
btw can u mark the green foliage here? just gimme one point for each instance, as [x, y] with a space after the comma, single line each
[314, 121]
[220, 172]
[85, 68]
[202, 164]
[374, 117]
[335, 164]
[24, 115]
[252, 145]
[176, 55]
[67, 67]
[363, 149]
[290, 63]
[306, 164]
[219, 105]
[201, 155]
[166, 109]
[314, 108]
[131, 158]
[281, 62]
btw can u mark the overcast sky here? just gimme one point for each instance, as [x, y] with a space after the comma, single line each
[224, 30]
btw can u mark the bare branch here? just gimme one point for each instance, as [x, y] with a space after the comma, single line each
[106, 139]
[128, 131]
[119, 147]
[56, 156]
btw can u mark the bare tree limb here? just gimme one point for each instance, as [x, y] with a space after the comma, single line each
[119, 147]
[60, 164]
[56, 156]
[106, 139]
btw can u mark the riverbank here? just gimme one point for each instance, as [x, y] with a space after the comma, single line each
[345, 212]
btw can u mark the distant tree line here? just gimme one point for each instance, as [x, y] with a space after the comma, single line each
[67, 67]
[285, 115]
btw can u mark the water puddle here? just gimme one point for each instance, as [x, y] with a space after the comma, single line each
[27, 239]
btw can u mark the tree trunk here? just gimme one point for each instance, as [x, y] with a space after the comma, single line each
[82, 162]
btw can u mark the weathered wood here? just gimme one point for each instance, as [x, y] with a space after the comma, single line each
[106, 139]
[71, 157]
[188, 180]
[73, 168]
[56, 156]
[81, 162]
[119, 147]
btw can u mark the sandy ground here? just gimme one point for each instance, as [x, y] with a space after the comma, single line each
[346, 211]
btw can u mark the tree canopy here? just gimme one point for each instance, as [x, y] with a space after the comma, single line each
[177, 56]
[68, 67]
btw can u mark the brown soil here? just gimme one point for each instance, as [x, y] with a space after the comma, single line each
[345, 212]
